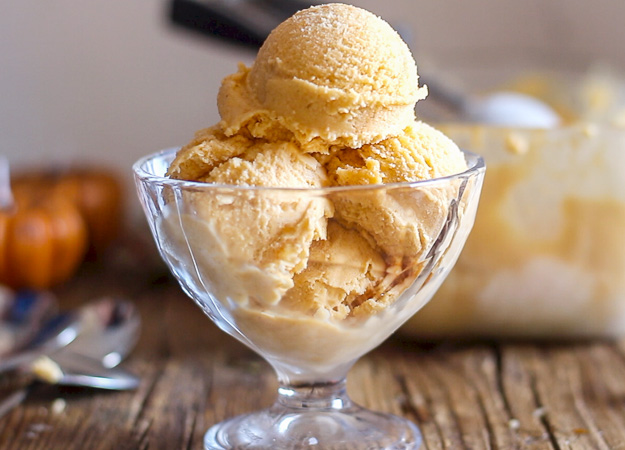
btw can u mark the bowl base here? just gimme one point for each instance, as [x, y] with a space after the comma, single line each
[282, 428]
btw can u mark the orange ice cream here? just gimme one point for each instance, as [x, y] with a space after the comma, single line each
[329, 102]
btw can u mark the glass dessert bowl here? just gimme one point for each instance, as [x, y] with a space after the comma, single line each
[311, 279]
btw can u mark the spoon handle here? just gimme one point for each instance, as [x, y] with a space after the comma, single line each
[445, 94]
[6, 196]
[79, 370]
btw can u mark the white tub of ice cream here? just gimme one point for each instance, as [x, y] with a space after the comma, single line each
[546, 258]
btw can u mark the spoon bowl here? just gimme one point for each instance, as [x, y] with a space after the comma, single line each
[104, 330]
[499, 108]
[55, 334]
[109, 331]
[507, 108]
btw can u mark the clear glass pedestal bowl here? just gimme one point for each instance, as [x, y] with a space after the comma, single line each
[311, 279]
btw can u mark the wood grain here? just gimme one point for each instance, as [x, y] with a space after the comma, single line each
[484, 395]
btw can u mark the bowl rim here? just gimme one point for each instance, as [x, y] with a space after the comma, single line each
[476, 163]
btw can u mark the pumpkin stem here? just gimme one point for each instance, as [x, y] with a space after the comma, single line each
[6, 196]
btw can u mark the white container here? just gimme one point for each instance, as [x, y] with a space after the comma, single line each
[546, 258]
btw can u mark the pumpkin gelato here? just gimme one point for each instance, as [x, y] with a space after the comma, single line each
[328, 103]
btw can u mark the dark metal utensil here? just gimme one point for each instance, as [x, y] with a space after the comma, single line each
[242, 22]
[109, 329]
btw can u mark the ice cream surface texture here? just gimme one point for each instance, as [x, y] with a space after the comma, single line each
[328, 103]
[334, 73]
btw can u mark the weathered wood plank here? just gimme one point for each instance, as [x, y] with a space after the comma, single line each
[462, 396]
[603, 390]
[483, 373]
[453, 418]
[559, 388]
[517, 385]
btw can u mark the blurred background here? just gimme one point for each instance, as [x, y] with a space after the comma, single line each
[101, 83]
[109, 81]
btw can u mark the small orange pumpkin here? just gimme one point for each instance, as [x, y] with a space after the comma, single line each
[97, 193]
[43, 239]
[99, 197]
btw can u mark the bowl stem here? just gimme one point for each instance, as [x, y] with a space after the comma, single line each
[318, 415]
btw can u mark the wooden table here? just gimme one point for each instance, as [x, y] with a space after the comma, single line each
[463, 396]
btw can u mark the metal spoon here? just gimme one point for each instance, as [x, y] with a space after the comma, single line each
[110, 331]
[502, 108]
[55, 334]
[104, 330]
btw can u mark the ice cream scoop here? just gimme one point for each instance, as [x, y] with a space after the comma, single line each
[331, 73]
[499, 108]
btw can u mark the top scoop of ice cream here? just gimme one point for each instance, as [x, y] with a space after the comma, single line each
[334, 73]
